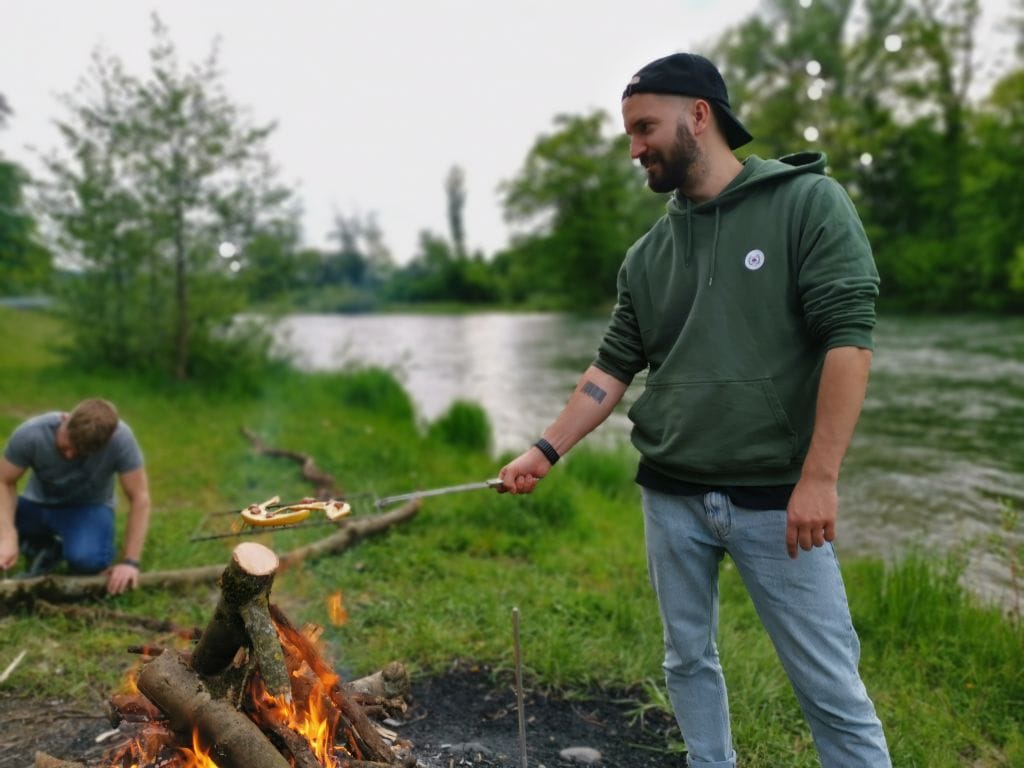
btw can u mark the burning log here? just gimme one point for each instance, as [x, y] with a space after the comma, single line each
[256, 690]
[309, 671]
[237, 742]
[242, 618]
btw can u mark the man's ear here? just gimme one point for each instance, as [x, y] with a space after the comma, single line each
[703, 116]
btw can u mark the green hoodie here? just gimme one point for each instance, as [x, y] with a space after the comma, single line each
[732, 304]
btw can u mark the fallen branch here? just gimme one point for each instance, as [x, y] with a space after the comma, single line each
[324, 483]
[58, 589]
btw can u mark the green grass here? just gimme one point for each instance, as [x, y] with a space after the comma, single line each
[947, 675]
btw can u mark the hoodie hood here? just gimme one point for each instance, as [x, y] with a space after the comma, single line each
[754, 174]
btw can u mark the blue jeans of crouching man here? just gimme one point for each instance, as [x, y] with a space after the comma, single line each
[84, 532]
[802, 604]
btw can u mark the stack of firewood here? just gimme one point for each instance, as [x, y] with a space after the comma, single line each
[250, 689]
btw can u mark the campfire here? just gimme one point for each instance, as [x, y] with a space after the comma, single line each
[255, 692]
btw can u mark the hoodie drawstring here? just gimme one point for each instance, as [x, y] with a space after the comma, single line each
[714, 249]
[689, 233]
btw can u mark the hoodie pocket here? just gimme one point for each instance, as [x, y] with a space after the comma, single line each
[714, 426]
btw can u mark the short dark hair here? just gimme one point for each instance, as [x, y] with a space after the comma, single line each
[91, 425]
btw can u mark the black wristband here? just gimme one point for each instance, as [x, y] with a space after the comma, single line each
[131, 562]
[548, 450]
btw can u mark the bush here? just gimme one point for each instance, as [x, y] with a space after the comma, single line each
[463, 425]
[375, 389]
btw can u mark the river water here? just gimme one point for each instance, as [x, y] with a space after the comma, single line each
[938, 455]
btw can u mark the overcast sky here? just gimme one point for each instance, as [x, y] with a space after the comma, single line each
[375, 100]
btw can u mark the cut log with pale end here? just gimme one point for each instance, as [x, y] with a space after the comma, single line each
[234, 740]
[242, 619]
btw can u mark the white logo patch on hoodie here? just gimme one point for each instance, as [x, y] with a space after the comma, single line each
[754, 260]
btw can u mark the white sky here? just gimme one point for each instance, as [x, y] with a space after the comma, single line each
[375, 100]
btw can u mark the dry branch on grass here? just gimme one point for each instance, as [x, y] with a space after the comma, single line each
[59, 589]
[324, 483]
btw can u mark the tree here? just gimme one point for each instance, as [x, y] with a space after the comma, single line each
[583, 203]
[158, 172]
[362, 260]
[455, 193]
[885, 87]
[994, 198]
[26, 264]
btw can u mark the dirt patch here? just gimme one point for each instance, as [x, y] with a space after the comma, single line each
[461, 718]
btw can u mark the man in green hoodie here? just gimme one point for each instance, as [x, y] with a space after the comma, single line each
[751, 306]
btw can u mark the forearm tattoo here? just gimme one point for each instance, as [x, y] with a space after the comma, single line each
[594, 392]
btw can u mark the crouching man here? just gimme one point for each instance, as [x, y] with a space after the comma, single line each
[67, 509]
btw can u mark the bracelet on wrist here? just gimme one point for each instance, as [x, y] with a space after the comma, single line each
[548, 450]
[132, 562]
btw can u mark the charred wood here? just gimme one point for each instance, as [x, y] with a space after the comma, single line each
[237, 742]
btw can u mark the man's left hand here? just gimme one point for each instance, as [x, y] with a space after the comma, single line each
[811, 515]
[122, 577]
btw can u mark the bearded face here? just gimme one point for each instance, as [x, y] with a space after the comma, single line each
[670, 169]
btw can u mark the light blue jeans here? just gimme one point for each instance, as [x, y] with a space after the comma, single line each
[802, 604]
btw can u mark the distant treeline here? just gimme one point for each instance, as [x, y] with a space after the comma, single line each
[165, 202]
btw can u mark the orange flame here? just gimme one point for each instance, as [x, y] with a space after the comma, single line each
[197, 757]
[130, 683]
[315, 720]
[313, 714]
[336, 610]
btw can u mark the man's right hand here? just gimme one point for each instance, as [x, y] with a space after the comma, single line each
[522, 474]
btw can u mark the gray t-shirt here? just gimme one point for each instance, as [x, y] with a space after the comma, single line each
[54, 480]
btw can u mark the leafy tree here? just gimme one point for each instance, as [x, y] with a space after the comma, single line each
[26, 264]
[273, 266]
[583, 203]
[886, 84]
[158, 172]
[455, 193]
[362, 260]
[994, 198]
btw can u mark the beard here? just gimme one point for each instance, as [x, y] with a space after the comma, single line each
[671, 170]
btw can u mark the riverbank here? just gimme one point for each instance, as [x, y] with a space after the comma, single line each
[947, 675]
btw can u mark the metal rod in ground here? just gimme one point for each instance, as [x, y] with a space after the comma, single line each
[519, 687]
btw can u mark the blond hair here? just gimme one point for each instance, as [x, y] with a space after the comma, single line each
[91, 424]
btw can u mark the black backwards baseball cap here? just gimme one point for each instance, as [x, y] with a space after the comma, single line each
[688, 74]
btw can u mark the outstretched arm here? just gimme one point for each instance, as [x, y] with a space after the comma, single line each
[814, 505]
[136, 488]
[596, 395]
[9, 476]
